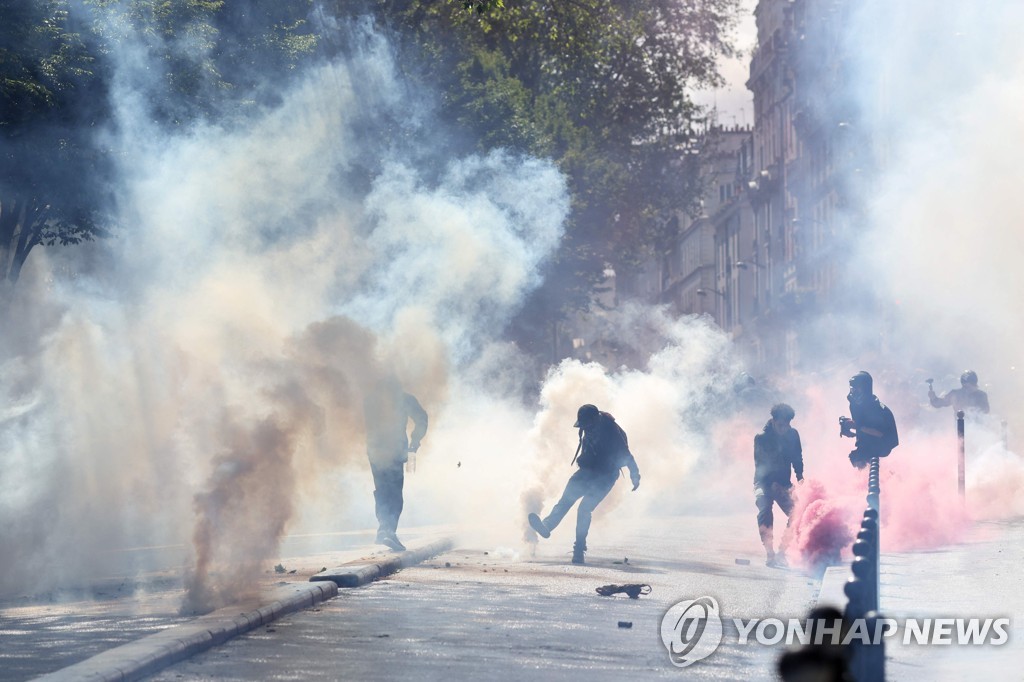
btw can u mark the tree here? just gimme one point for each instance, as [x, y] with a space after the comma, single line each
[600, 86]
[56, 64]
[46, 168]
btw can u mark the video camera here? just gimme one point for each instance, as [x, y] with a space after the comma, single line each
[846, 426]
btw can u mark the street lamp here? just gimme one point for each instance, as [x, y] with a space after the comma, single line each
[744, 264]
[705, 292]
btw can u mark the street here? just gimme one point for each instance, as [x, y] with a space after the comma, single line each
[477, 613]
[502, 613]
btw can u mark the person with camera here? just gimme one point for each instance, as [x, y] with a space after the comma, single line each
[777, 450]
[603, 451]
[870, 422]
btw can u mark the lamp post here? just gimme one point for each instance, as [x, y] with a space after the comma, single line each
[703, 292]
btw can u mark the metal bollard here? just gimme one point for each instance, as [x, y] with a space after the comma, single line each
[874, 527]
[867, 663]
[864, 568]
[854, 589]
[960, 460]
[874, 485]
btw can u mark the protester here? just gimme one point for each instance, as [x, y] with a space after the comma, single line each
[603, 451]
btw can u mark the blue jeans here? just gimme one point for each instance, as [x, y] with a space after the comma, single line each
[590, 485]
[388, 481]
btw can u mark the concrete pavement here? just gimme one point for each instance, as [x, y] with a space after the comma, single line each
[125, 628]
[155, 652]
[979, 577]
[495, 613]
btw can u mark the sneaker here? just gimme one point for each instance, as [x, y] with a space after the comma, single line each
[770, 561]
[392, 542]
[780, 560]
[538, 525]
[577, 556]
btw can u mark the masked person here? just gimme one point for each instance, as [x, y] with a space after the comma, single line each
[602, 452]
[388, 410]
[777, 450]
[870, 422]
[967, 398]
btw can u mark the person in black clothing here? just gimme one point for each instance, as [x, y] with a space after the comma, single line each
[967, 398]
[388, 410]
[871, 423]
[777, 450]
[602, 452]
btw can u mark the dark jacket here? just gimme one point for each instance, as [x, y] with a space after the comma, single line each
[604, 447]
[873, 414]
[966, 399]
[775, 455]
[388, 412]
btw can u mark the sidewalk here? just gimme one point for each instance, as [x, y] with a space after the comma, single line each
[979, 578]
[127, 629]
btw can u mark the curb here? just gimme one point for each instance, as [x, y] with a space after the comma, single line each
[153, 653]
[356, 575]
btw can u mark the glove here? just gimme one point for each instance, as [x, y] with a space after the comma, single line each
[634, 476]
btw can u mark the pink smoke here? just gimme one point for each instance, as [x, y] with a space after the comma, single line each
[920, 505]
[821, 528]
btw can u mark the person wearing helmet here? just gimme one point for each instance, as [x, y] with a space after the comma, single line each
[777, 450]
[870, 422]
[968, 397]
[603, 451]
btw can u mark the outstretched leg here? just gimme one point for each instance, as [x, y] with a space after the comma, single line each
[574, 490]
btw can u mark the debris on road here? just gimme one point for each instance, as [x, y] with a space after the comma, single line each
[634, 590]
[625, 623]
[743, 562]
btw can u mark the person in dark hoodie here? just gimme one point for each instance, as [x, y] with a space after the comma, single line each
[602, 452]
[870, 422]
[777, 450]
[388, 409]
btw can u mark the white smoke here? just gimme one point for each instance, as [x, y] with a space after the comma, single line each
[192, 378]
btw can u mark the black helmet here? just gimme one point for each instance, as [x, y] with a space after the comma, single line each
[969, 377]
[863, 381]
[585, 415]
[783, 412]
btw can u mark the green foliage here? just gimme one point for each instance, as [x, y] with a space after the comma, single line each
[204, 59]
[600, 86]
[481, 6]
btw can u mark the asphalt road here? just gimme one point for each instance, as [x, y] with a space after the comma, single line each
[53, 628]
[489, 613]
[502, 613]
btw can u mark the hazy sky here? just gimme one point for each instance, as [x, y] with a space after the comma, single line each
[733, 101]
